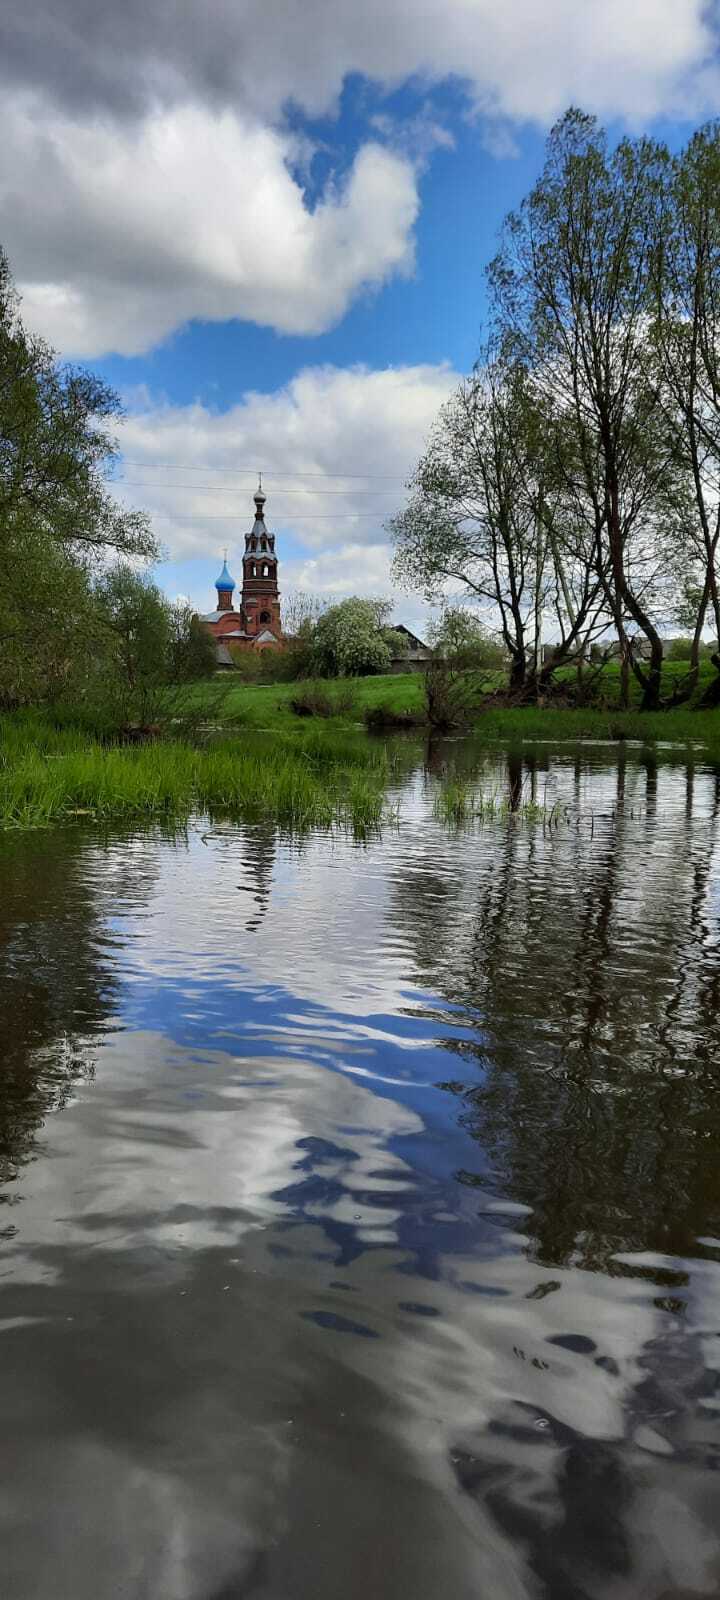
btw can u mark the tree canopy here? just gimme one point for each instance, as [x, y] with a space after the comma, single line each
[59, 520]
[571, 486]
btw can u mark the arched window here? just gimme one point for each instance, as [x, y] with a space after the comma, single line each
[253, 570]
[265, 616]
[266, 570]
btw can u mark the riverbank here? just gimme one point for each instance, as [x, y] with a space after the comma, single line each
[242, 750]
[270, 708]
[50, 774]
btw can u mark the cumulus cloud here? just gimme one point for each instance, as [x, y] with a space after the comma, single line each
[148, 174]
[518, 58]
[117, 235]
[194, 469]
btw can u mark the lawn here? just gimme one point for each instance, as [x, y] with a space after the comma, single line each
[267, 706]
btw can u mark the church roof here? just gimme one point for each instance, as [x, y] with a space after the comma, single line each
[225, 584]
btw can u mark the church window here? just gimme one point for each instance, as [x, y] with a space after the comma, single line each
[266, 570]
[264, 616]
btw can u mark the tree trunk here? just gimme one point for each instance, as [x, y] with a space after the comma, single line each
[651, 692]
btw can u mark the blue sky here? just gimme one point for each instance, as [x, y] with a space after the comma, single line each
[266, 224]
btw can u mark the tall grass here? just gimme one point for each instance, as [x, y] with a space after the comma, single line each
[48, 775]
[459, 804]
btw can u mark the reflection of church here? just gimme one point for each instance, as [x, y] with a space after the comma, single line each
[257, 622]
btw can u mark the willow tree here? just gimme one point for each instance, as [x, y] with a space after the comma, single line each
[571, 287]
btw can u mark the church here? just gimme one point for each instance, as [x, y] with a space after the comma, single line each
[256, 624]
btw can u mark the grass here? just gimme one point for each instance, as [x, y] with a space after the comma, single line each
[269, 706]
[397, 699]
[459, 805]
[48, 775]
[314, 770]
[532, 723]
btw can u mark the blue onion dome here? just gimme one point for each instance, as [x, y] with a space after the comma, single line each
[225, 584]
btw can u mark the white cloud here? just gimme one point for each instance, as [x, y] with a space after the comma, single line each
[184, 464]
[518, 58]
[119, 234]
[147, 175]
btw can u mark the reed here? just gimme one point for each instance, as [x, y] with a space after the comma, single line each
[46, 776]
[460, 805]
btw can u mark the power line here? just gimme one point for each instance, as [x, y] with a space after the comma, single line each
[229, 488]
[228, 516]
[252, 472]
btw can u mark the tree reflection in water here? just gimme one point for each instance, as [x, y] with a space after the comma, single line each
[58, 979]
[585, 961]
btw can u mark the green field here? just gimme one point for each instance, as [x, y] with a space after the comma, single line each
[226, 700]
[228, 703]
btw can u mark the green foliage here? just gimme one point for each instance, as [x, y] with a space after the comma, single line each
[135, 631]
[57, 517]
[313, 699]
[351, 639]
[191, 650]
[465, 641]
[46, 777]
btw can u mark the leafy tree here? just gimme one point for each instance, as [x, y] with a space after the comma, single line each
[136, 621]
[462, 638]
[58, 519]
[686, 348]
[191, 650]
[352, 639]
[571, 287]
[485, 514]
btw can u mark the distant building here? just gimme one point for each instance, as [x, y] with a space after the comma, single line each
[417, 655]
[256, 624]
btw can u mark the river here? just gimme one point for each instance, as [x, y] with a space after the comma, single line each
[360, 1223]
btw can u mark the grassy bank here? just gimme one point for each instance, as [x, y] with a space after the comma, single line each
[537, 724]
[225, 701]
[49, 774]
[270, 708]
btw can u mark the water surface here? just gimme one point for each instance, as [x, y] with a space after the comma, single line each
[361, 1221]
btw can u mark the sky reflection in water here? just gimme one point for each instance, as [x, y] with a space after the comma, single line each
[362, 1215]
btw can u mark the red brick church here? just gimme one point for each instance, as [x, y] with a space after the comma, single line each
[256, 624]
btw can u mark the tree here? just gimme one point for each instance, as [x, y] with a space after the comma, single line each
[485, 513]
[58, 518]
[352, 639]
[686, 348]
[136, 620]
[462, 638]
[571, 288]
[191, 650]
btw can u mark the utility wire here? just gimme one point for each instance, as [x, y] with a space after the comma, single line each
[231, 488]
[229, 516]
[252, 472]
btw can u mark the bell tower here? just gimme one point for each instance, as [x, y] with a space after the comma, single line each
[260, 594]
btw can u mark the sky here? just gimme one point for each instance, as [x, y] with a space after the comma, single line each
[265, 222]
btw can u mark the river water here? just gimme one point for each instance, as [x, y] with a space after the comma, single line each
[361, 1221]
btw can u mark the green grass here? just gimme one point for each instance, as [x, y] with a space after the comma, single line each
[48, 775]
[232, 704]
[533, 723]
[460, 804]
[267, 706]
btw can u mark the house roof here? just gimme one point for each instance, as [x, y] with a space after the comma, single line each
[400, 628]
